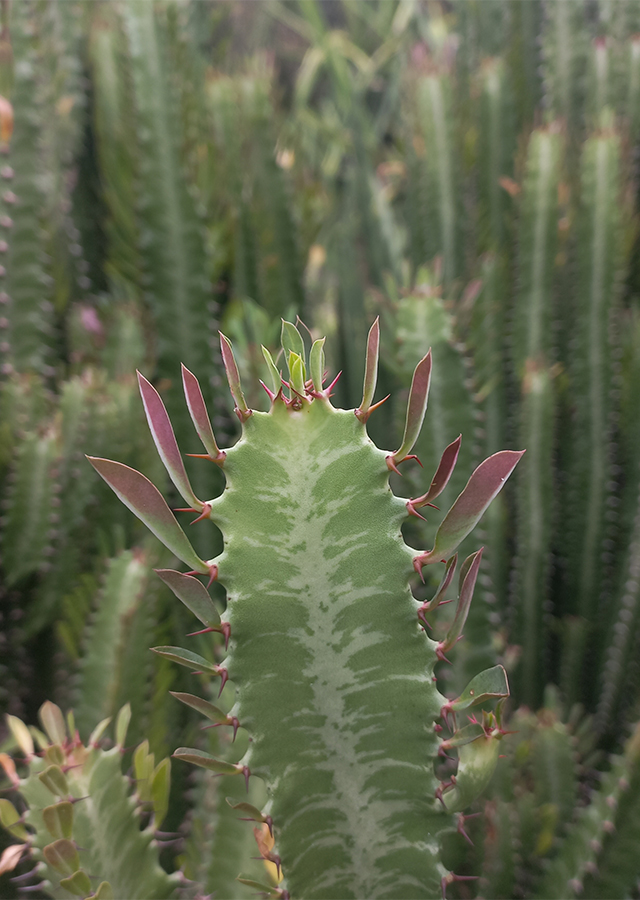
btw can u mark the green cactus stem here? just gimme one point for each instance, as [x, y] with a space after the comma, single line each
[332, 668]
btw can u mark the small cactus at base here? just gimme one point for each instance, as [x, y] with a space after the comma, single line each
[328, 651]
[82, 823]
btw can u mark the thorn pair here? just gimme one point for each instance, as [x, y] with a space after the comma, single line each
[213, 573]
[450, 878]
[223, 628]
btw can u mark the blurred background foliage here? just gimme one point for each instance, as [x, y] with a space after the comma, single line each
[469, 171]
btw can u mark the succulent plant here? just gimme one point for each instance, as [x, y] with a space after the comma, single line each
[328, 650]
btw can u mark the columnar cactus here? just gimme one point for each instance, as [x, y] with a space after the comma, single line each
[327, 648]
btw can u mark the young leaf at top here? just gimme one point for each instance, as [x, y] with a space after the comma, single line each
[416, 409]
[370, 371]
[165, 441]
[233, 377]
[200, 416]
[485, 686]
[316, 364]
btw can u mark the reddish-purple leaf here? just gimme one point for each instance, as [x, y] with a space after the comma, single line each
[233, 377]
[468, 576]
[442, 476]
[485, 483]
[416, 408]
[193, 594]
[145, 500]
[447, 578]
[199, 415]
[370, 371]
[165, 441]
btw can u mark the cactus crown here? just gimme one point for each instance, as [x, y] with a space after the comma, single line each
[328, 653]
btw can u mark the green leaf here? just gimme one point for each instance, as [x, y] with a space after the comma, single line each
[21, 735]
[476, 764]
[274, 373]
[187, 658]
[206, 761]
[317, 364]
[58, 820]
[160, 789]
[292, 341]
[55, 780]
[78, 884]
[203, 706]
[122, 724]
[485, 686]
[297, 373]
[53, 722]
[12, 821]
[193, 594]
[103, 892]
[63, 856]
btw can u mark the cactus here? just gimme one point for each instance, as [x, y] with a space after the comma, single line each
[81, 825]
[313, 547]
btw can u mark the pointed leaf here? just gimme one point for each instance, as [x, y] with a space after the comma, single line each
[476, 764]
[146, 502]
[54, 755]
[446, 580]
[39, 737]
[370, 371]
[165, 441]
[203, 706]
[122, 724]
[193, 594]
[53, 722]
[9, 769]
[63, 856]
[77, 884]
[21, 735]
[251, 811]
[199, 414]
[160, 788]
[416, 407]
[485, 686]
[187, 658]
[11, 857]
[316, 364]
[143, 765]
[274, 373]
[206, 761]
[485, 483]
[233, 377]
[297, 373]
[443, 474]
[12, 821]
[464, 735]
[55, 780]
[468, 576]
[259, 886]
[103, 892]
[98, 731]
[58, 819]
[292, 341]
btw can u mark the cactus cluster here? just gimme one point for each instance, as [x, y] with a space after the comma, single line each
[467, 172]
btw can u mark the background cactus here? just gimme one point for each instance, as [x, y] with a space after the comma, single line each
[338, 161]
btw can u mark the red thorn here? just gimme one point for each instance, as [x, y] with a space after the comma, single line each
[412, 456]
[391, 465]
[461, 830]
[236, 725]
[422, 618]
[272, 396]
[417, 565]
[450, 878]
[213, 574]
[199, 455]
[327, 392]
[413, 511]
[224, 677]
[269, 823]
[440, 653]
[225, 629]
[184, 509]
[437, 728]
[246, 773]
[363, 416]
[205, 514]
[204, 631]
[243, 415]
